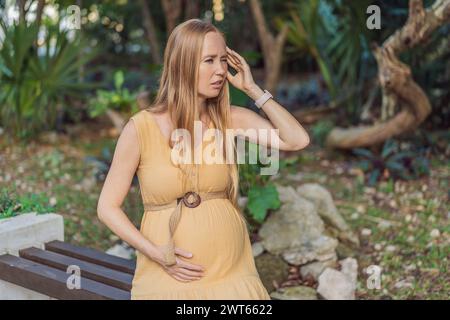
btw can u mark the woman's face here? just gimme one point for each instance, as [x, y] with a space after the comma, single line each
[213, 66]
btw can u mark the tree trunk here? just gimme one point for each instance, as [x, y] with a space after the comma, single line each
[192, 9]
[150, 31]
[172, 11]
[39, 11]
[272, 47]
[399, 88]
[22, 11]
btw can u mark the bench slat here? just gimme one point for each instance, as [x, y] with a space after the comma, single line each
[91, 255]
[52, 282]
[89, 270]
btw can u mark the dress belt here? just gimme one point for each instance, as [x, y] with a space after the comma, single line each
[189, 199]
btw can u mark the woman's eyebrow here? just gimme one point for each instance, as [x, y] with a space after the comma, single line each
[214, 55]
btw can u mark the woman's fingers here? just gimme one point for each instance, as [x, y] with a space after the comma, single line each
[230, 77]
[232, 56]
[182, 274]
[186, 277]
[190, 266]
[237, 56]
[233, 64]
[183, 253]
[189, 273]
[180, 278]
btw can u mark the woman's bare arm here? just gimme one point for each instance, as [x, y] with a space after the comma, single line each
[116, 187]
[291, 135]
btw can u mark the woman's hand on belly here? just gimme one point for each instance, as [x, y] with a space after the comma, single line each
[182, 271]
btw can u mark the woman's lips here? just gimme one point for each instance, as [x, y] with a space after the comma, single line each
[217, 84]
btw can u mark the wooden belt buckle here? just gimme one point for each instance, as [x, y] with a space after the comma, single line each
[195, 203]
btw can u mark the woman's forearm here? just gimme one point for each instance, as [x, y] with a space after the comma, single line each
[290, 130]
[117, 221]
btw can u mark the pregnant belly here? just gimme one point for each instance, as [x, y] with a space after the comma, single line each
[215, 234]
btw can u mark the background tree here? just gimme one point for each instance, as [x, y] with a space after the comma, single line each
[395, 77]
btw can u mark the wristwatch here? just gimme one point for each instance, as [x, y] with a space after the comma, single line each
[263, 99]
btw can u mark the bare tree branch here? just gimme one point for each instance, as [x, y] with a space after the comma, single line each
[396, 80]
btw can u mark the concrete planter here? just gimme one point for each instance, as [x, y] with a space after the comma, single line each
[24, 231]
[29, 230]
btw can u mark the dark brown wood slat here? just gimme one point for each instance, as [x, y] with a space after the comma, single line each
[89, 270]
[91, 255]
[52, 282]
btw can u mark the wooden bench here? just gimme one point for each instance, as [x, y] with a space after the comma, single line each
[103, 276]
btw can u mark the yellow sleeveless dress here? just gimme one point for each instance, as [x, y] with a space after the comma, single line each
[213, 231]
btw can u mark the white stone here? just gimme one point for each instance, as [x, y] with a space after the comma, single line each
[335, 285]
[242, 202]
[435, 233]
[384, 225]
[366, 232]
[339, 171]
[314, 269]
[349, 267]
[410, 267]
[53, 201]
[391, 248]
[324, 203]
[294, 293]
[257, 248]
[29, 230]
[405, 283]
[321, 249]
[295, 177]
[361, 208]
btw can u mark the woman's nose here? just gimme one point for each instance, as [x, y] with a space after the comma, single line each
[221, 69]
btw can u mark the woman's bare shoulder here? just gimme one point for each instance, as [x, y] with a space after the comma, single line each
[238, 116]
[129, 134]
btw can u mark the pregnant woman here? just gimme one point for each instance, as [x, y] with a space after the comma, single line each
[193, 241]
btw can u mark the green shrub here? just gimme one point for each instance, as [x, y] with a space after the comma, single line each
[262, 195]
[35, 81]
[11, 206]
[320, 131]
[398, 164]
[119, 99]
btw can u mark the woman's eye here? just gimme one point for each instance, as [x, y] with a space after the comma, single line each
[212, 61]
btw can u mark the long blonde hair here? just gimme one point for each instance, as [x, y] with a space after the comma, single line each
[178, 88]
